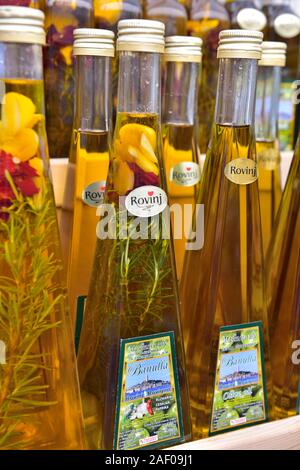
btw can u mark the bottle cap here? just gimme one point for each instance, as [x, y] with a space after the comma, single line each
[96, 42]
[240, 44]
[22, 25]
[273, 54]
[141, 36]
[183, 49]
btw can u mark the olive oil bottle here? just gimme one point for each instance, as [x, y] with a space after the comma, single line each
[180, 130]
[283, 291]
[222, 290]
[39, 394]
[89, 155]
[206, 19]
[131, 357]
[266, 126]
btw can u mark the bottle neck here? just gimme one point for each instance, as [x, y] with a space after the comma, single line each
[181, 93]
[93, 100]
[267, 102]
[236, 92]
[139, 83]
[22, 61]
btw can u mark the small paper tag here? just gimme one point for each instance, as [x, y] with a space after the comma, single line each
[185, 174]
[146, 201]
[240, 397]
[148, 410]
[241, 171]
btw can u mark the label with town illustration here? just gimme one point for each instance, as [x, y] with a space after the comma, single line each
[185, 174]
[250, 18]
[148, 412]
[240, 397]
[241, 171]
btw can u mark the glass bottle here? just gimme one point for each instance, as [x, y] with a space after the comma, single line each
[39, 395]
[109, 12]
[283, 275]
[246, 14]
[206, 19]
[284, 25]
[171, 12]
[131, 359]
[62, 17]
[180, 131]
[222, 289]
[89, 155]
[266, 126]
[23, 3]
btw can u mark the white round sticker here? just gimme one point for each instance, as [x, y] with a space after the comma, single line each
[146, 201]
[93, 194]
[185, 174]
[287, 25]
[250, 18]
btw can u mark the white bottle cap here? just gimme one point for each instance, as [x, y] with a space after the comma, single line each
[273, 54]
[183, 49]
[141, 36]
[22, 25]
[240, 44]
[96, 42]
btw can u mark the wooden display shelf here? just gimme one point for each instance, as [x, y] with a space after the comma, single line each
[277, 435]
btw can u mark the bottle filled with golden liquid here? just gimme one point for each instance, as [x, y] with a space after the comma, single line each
[62, 18]
[89, 156]
[266, 127]
[284, 25]
[180, 131]
[206, 19]
[222, 287]
[283, 291]
[39, 394]
[246, 14]
[131, 358]
[171, 12]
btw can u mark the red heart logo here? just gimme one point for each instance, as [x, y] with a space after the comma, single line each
[102, 188]
[188, 168]
[150, 193]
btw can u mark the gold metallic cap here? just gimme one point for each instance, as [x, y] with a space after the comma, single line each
[97, 42]
[240, 44]
[22, 25]
[141, 36]
[273, 54]
[183, 49]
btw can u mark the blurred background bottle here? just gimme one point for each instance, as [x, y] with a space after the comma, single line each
[206, 19]
[109, 12]
[246, 14]
[23, 3]
[284, 25]
[62, 17]
[171, 12]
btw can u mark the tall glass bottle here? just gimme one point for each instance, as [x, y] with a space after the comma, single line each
[171, 12]
[266, 125]
[283, 275]
[62, 17]
[206, 19]
[89, 155]
[180, 131]
[39, 395]
[222, 290]
[284, 25]
[131, 358]
[246, 14]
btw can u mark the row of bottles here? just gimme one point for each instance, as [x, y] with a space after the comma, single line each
[131, 363]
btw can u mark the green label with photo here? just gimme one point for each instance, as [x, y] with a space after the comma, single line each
[240, 397]
[148, 412]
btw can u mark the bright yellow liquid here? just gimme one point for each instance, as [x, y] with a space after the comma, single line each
[133, 288]
[180, 146]
[269, 183]
[39, 399]
[222, 284]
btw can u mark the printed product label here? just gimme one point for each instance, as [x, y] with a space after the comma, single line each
[148, 409]
[250, 18]
[269, 160]
[240, 397]
[93, 194]
[146, 201]
[287, 25]
[185, 174]
[241, 171]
